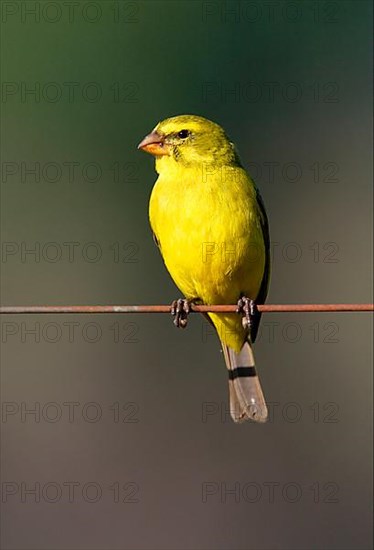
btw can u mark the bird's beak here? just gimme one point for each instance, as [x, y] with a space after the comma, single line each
[154, 144]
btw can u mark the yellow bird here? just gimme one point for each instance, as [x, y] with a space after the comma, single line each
[210, 224]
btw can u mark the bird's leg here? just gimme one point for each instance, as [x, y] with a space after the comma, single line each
[248, 309]
[180, 310]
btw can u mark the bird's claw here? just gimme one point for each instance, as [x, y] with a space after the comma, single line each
[180, 310]
[249, 310]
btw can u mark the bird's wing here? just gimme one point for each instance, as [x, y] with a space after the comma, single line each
[261, 296]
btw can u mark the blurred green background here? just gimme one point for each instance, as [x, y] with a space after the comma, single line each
[129, 405]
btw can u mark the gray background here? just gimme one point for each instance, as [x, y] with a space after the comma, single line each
[291, 86]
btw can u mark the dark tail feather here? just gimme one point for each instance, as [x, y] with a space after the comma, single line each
[246, 397]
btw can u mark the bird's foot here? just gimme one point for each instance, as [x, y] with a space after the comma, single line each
[180, 310]
[249, 310]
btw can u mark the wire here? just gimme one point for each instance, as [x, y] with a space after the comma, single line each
[269, 308]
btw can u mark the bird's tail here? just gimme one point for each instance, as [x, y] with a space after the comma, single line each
[246, 397]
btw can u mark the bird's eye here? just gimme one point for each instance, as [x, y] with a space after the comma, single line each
[183, 134]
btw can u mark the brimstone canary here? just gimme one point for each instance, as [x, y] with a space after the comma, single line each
[211, 227]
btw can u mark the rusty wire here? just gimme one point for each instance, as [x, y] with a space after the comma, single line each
[269, 308]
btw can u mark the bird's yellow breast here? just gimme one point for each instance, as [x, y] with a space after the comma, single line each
[208, 226]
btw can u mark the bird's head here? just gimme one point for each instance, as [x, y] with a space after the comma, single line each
[190, 139]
